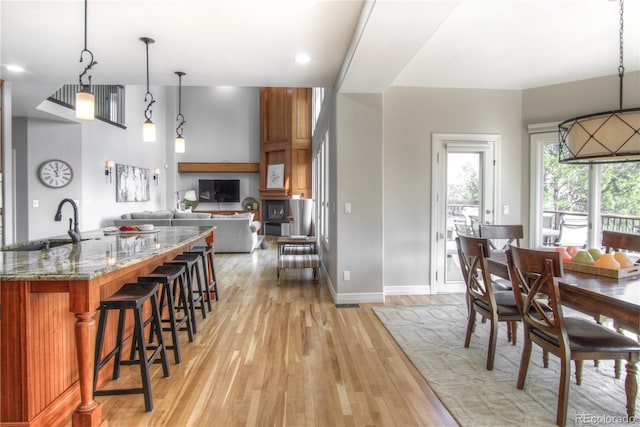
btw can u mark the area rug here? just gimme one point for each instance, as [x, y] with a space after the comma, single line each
[432, 337]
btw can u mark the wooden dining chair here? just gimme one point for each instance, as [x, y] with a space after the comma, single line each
[493, 305]
[569, 338]
[511, 233]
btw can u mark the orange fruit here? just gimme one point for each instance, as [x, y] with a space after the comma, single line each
[565, 255]
[623, 259]
[607, 261]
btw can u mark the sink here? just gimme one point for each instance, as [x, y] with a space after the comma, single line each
[38, 246]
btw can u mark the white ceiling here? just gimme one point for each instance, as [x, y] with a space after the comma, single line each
[492, 44]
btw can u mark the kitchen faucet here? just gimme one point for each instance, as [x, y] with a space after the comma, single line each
[74, 231]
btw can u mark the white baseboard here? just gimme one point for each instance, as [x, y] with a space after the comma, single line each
[407, 290]
[371, 297]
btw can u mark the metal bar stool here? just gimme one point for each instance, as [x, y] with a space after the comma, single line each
[206, 254]
[196, 296]
[173, 287]
[131, 296]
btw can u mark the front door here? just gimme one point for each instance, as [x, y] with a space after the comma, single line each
[463, 185]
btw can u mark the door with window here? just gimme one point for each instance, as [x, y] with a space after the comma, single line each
[464, 177]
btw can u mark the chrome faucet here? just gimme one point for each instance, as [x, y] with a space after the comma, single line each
[74, 231]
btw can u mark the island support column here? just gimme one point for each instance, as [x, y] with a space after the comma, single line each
[89, 412]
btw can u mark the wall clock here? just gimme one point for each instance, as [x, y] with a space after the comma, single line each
[55, 173]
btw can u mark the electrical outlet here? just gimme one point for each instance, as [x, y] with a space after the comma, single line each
[35, 203]
[346, 275]
[347, 208]
[505, 209]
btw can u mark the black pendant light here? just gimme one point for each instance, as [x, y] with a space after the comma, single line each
[180, 143]
[148, 129]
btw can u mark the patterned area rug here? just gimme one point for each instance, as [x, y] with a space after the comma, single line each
[432, 337]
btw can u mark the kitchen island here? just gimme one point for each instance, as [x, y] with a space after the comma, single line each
[49, 299]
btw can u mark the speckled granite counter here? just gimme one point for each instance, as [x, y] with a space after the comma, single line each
[49, 300]
[97, 254]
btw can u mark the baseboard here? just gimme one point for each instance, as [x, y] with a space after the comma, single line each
[370, 297]
[407, 290]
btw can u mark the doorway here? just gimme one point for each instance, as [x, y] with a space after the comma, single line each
[464, 177]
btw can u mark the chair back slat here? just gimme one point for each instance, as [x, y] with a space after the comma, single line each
[473, 253]
[532, 276]
[613, 241]
[511, 233]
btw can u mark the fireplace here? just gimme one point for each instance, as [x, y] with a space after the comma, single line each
[274, 214]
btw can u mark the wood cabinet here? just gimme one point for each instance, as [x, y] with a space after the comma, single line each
[285, 138]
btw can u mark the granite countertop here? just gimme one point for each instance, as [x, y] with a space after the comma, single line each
[99, 252]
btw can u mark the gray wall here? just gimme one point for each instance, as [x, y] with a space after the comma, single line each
[223, 125]
[359, 182]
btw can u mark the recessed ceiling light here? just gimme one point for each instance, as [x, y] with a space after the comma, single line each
[15, 68]
[302, 58]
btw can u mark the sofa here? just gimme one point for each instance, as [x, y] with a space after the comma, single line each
[234, 233]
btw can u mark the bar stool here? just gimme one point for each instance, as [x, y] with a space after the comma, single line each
[131, 296]
[173, 285]
[206, 254]
[196, 296]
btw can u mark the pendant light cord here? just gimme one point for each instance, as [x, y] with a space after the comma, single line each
[621, 67]
[91, 62]
[148, 97]
[180, 116]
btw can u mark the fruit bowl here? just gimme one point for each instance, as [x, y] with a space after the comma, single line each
[145, 227]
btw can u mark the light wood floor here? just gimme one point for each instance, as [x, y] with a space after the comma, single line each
[282, 354]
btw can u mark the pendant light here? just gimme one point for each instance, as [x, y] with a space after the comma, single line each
[607, 137]
[180, 144]
[148, 129]
[85, 101]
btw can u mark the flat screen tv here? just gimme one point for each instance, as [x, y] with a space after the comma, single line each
[218, 190]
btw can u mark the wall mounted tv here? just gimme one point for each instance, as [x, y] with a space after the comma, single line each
[218, 190]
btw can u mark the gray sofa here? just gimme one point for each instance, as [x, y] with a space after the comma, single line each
[234, 233]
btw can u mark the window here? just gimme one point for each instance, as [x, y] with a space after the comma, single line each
[572, 204]
[321, 187]
[316, 105]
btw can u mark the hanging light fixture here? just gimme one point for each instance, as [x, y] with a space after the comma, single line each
[180, 144]
[606, 137]
[85, 101]
[148, 129]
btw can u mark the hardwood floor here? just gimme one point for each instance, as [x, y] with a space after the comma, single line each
[282, 354]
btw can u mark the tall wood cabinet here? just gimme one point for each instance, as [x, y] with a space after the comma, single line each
[285, 139]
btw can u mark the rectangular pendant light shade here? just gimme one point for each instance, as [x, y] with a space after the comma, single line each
[180, 145]
[149, 131]
[85, 105]
[601, 138]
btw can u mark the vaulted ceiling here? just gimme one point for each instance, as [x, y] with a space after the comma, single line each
[358, 46]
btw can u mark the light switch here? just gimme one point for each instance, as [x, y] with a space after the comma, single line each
[347, 208]
[35, 203]
[505, 209]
